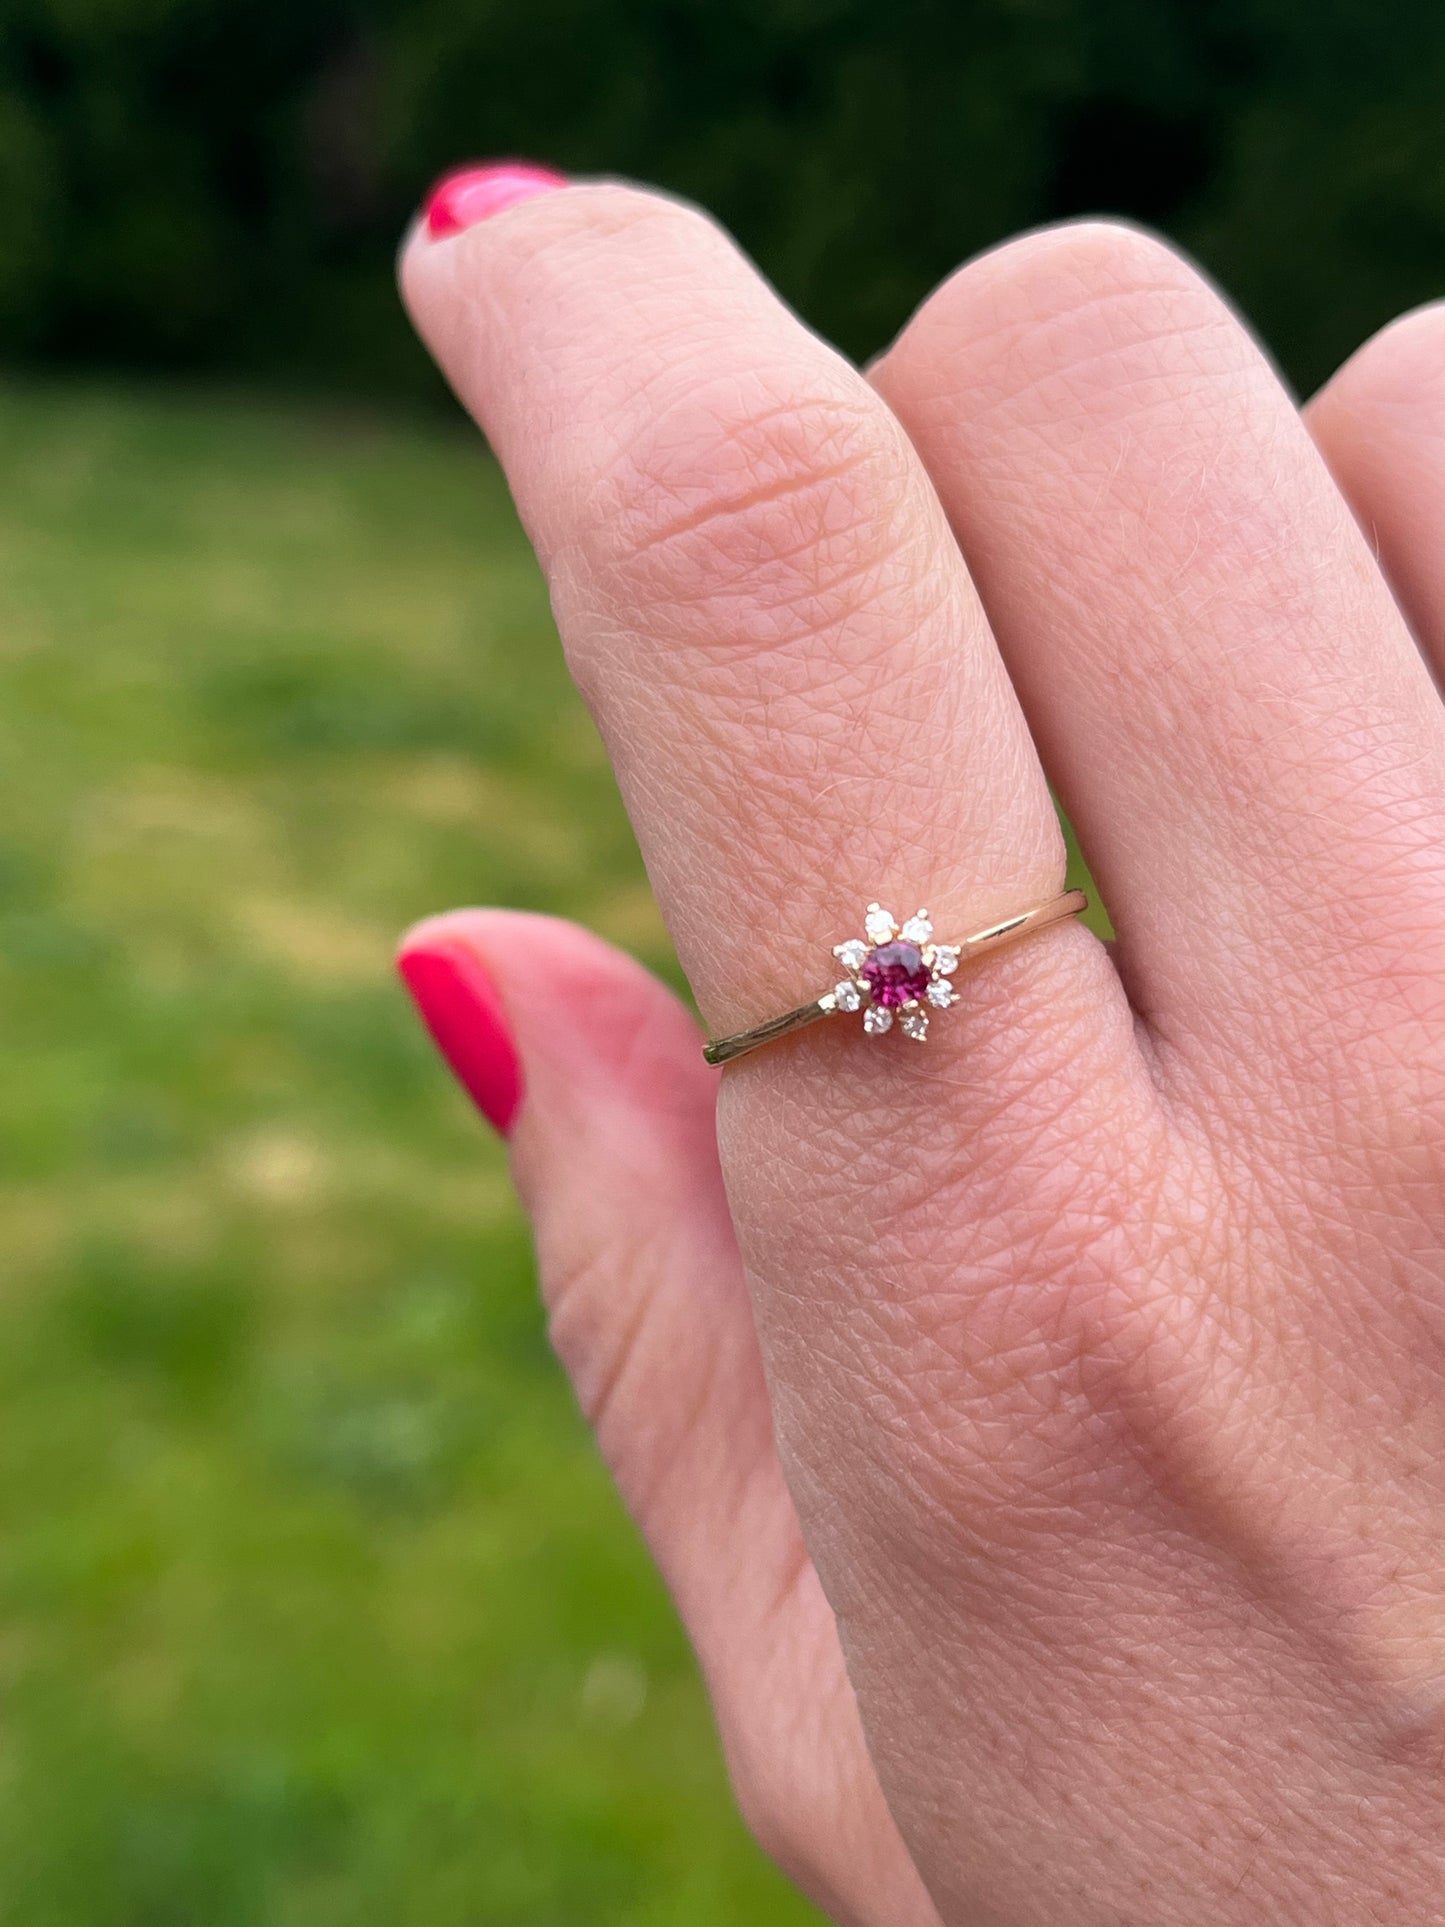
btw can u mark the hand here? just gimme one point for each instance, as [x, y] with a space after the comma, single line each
[1093, 1432]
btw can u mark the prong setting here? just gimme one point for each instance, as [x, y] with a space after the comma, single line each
[895, 973]
[910, 979]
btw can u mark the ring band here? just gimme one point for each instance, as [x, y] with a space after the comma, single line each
[896, 970]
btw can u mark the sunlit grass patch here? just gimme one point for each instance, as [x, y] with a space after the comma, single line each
[315, 1606]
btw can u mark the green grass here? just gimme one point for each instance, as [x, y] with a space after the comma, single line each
[315, 1605]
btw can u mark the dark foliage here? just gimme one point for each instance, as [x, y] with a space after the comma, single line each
[219, 183]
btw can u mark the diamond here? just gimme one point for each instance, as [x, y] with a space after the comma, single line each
[917, 929]
[879, 924]
[852, 954]
[847, 995]
[895, 974]
[941, 993]
[915, 1024]
[876, 1021]
[945, 959]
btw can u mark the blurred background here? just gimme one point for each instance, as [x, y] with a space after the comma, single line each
[314, 1604]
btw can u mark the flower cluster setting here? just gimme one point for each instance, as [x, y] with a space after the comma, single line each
[897, 974]
[895, 970]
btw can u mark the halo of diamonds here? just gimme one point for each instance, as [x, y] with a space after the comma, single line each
[895, 970]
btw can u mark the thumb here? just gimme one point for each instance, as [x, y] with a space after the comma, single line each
[610, 1130]
[593, 1071]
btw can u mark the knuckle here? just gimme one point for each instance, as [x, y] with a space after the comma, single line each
[1398, 374]
[1092, 265]
[600, 1286]
[1112, 255]
[1095, 313]
[576, 1272]
[741, 498]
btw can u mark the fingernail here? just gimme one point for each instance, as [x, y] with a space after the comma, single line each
[460, 1007]
[462, 199]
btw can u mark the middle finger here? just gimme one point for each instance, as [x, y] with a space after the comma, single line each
[1224, 690]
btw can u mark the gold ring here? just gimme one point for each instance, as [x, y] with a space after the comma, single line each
[896, 970]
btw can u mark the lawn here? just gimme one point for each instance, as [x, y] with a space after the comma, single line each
[315, 1605]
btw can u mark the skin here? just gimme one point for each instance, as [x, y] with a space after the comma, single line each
[1043, 1431]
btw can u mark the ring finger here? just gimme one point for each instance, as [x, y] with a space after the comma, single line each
[755, 586]
[763, 604]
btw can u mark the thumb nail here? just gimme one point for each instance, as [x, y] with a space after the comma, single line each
[460, 1007]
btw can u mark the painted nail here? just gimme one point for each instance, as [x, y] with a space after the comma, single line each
[460, 1007]
[462, 199]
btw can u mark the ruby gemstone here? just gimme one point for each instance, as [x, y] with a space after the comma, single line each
[895, 974]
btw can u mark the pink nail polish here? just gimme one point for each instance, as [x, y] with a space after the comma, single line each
[460, 1007]
[462, 199]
